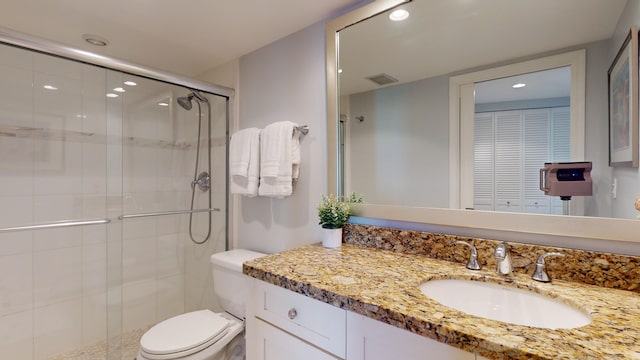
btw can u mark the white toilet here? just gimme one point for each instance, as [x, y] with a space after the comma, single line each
[203, 334]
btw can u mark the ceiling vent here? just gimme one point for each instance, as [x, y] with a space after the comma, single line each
[382, 79]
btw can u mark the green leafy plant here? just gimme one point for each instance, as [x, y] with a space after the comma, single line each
[334, 212]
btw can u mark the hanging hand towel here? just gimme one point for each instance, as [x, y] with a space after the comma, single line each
[244, 161]
[279, 159]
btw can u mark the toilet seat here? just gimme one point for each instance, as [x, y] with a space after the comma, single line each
[183, 335]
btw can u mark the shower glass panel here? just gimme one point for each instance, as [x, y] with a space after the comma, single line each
[111, 152]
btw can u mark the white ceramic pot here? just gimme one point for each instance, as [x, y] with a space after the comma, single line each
[332, 238]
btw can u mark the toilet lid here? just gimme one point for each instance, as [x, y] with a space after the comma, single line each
[184, 334]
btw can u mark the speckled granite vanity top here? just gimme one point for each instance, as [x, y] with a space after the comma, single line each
[384, 285]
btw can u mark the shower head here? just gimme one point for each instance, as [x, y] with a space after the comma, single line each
[185, 101]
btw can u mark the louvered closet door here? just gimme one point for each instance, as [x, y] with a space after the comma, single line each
[560, 145]
[483, 161]
[536, 151]
[508, 157]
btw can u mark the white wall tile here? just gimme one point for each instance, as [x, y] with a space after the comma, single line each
[93, 100]
[138, 305]
[58, 167]
[94, 206]
[170, 259]
[16, 90]
[16, 210]
[16, 165]
[94, 169]
[57, 207]
[95, 234]
[173, 224]
[16, 335]
[57, 276]
[58, 328]
[170, 297]
[139, 202]
[16, 283]
[136, 228]
[138, 259]
[14, 57]
[54, 65]
[94, 268]
[139, 166]
[94, 318]
[16, 243]
[51, 239]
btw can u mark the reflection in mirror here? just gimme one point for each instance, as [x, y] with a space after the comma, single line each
[400, 147]
[520, 123]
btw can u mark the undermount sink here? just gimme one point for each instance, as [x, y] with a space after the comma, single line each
[502, 303]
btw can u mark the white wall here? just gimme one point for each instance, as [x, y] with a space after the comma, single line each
[597, 130]
[627, 178]
[286, 81]
[399, 153]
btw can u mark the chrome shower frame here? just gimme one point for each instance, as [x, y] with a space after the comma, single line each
[29, 42]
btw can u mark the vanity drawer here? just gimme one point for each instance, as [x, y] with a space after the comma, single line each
[320, 324]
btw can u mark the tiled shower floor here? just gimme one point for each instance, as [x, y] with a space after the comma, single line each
[97, 351]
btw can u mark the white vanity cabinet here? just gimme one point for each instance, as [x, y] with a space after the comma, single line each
[283, 325]
[272, 343]
[369, 339]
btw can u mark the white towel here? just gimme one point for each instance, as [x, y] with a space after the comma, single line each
[279, 159]
[244, 161]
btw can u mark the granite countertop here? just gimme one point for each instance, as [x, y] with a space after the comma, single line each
[384, 285]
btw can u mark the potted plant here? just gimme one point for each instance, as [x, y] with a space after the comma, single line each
[333, 213]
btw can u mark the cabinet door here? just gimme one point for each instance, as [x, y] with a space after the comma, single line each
[272, 343]
[368, 339]
[316, 322]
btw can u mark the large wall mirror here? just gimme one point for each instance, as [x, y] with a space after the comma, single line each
[414, 105]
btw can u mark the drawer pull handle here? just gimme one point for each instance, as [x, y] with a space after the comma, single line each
[293, 313]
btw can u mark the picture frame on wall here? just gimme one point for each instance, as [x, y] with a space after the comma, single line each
[623, 104]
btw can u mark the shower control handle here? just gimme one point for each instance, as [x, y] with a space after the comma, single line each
[203, 181]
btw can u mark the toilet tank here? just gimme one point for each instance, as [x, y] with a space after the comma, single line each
[229, 283]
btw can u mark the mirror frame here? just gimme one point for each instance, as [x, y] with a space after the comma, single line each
[569, 226]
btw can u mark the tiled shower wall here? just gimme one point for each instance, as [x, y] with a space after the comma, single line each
[72, 153]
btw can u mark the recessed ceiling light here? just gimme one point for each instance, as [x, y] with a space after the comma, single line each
[50, 87]
[339, 71]
[163, 104]
[112, 95]
[518, 85]
[95, 40]
[399, 15]
[130, 83]
[119, 89]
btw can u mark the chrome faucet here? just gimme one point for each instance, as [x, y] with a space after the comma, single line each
[503, 259]
[541, 274]
[472, 264]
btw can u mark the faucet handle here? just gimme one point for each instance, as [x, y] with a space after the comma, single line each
[503, 259]
[540, 274]
[472, 264]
